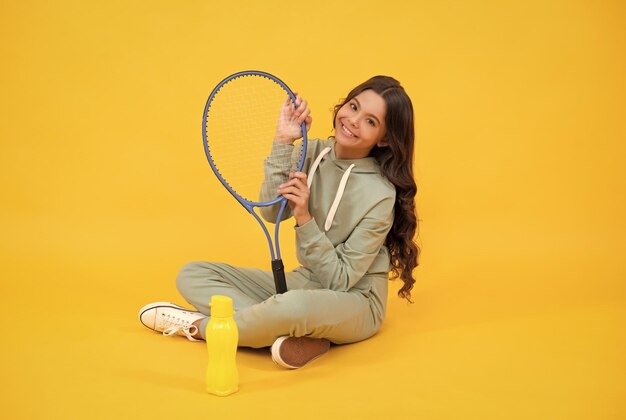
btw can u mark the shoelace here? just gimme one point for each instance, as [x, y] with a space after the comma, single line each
[172, 325]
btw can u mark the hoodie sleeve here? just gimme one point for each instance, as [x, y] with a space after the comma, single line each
[276, 167]
[340, 267]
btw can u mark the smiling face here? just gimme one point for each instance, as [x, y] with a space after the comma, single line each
[360, 125]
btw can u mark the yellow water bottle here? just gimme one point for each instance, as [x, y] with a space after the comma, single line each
[222, 336]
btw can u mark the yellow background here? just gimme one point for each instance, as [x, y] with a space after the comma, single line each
[519, 307]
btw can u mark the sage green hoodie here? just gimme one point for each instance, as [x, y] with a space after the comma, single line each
[345, 239]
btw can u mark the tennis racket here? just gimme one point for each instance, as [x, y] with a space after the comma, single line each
[238, 128]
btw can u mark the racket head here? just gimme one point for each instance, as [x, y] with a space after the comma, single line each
[238, 128]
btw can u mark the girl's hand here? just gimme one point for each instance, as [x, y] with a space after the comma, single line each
[290, 119]
[296, 191]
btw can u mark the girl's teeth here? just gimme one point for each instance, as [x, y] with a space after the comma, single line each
[345, 130]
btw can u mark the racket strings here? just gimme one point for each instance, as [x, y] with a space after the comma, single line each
[240, 129]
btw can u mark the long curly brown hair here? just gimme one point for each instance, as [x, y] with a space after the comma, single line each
[396, 163]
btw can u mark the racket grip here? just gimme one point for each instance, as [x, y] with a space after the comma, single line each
[279, 276]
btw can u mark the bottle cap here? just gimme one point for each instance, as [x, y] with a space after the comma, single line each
[221, 306]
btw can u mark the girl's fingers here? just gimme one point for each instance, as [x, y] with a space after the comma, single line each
[302, 108]
[304, 115]
[297, 185]
[295, 182]
[296, 199]
[293, 189]
[299, 175]
[300, 103]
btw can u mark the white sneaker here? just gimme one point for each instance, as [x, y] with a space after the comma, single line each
[170, 319]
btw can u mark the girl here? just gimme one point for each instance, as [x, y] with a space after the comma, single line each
[355, 222]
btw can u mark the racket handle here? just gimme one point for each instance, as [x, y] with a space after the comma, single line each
[279, 276]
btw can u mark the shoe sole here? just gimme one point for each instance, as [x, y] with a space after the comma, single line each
[276, 353]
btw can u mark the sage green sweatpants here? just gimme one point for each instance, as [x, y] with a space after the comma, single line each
[305, 310]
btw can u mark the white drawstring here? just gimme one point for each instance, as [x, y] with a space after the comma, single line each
[340, 190]
[333, 208]
[316, 163]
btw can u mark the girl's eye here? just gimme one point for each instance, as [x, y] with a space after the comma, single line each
[353, 106]
[371, 122]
